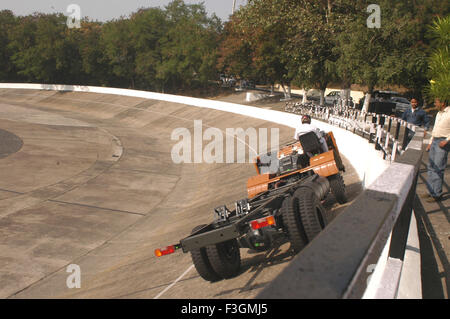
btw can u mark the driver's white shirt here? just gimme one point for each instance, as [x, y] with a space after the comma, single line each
[306, 128]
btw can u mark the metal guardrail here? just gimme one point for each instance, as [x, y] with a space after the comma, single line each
[335, 264]
[388, 133]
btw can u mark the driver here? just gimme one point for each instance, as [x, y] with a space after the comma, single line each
[307, 127]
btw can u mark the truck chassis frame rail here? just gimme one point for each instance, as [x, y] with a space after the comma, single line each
[256, 223]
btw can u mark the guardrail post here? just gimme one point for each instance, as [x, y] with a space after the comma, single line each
[401, 228]
[389, 124]
[378, 138]
[386, 146]
[405, 137]
[397, 130]
[394, 151]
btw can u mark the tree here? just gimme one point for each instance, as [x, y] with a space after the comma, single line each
[293, 40]
[394, 54]
[120, 50]
[147, 27]
[311, 43]
[95, 69]
[188, 48]
[8, 21]
[235, 54]
[264, 38]
[43, 51]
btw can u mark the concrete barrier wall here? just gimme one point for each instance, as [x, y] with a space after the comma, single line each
[367, 162]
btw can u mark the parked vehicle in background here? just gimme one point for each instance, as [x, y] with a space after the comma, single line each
[401, 105]
[384, 95]
[227, 81]
[245, 84]
[380, 102]
[332, 97]
[313, 95]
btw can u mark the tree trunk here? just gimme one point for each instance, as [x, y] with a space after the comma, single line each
[304, 99]
[345, 97]
[329, 10]
[286, 93]
[322, 97]
[366, 102]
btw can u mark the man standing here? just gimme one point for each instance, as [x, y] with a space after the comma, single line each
[416, 116]
[438, 151]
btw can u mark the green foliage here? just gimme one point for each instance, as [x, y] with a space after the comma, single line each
[235, 51]
[147, 27]
[119, 49]
[157, 49]
[7, 69]
[318, 42]
[310, 43]
[439, 61]
[188, 48]
[394, 54]
[94, 62]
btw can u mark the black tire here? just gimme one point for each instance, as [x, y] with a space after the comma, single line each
[293, 224]
[225, 258]
[312, 213]
[303, 217]
[338, 188]
[201, 262]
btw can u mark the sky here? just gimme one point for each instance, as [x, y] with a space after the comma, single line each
[104, 10]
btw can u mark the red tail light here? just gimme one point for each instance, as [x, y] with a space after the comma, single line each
[262, 222]
[166, 251]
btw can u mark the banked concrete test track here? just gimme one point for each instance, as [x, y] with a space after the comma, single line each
[88, 179]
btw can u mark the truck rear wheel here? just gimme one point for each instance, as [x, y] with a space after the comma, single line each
[304, 217]
[293, 223]
[338, 188]
[225, 258]
[201, 262]
[312, 213]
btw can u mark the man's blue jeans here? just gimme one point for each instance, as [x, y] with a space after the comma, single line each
[437, 161]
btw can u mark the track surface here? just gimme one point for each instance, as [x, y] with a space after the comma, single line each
[88, 179]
